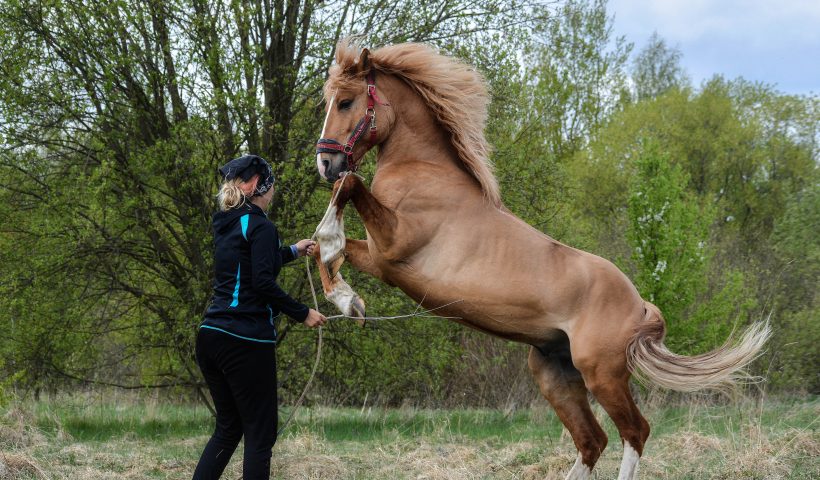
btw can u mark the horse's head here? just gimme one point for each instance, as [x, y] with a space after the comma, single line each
[357, 117]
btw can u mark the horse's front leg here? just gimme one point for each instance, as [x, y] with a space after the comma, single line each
[358, 254]
[330, 234]
[331, 251]
[381, 222]
[336, 289]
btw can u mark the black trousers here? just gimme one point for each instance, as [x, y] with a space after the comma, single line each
[241, 375]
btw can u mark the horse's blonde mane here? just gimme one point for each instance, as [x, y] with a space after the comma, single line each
[454, 91]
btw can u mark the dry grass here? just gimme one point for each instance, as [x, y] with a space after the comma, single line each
[695, 441]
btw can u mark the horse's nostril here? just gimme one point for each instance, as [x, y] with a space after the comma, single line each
[326, 164]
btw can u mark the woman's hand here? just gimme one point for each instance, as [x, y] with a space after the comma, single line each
[305, 247]
[314, 319]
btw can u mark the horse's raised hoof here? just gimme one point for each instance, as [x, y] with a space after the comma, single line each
[346, 300]
[357, 310]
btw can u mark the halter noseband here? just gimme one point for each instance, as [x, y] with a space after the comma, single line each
[327, 145]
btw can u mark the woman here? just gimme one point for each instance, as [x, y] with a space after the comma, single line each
[236, 343]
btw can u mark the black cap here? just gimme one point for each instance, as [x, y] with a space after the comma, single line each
[246, 167]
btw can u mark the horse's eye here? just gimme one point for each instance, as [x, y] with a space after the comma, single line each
[345, 104]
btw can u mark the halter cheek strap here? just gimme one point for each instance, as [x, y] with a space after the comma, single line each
[328, 145]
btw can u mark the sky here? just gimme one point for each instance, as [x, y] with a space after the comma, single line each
[773, 41]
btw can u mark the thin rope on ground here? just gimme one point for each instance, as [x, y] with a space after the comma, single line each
[315, 362]
[319, 339]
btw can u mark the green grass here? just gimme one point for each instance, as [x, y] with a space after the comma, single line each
[117, 436]
[104, 421]
[379, 425]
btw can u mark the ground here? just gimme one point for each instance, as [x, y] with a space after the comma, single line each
[88, 436]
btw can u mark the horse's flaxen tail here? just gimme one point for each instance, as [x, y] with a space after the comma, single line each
[650, 361]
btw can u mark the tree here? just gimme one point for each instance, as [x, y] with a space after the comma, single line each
[795, 352]
[669, 236]
[667, 232]
[743, 149]
[573, 79]
[114, 117]
[656, 69]
[578, 75]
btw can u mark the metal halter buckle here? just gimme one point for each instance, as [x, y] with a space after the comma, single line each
[372, 113]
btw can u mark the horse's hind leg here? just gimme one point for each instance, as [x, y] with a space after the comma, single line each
[563, 387]
[607, 377]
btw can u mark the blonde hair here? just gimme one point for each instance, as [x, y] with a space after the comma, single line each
[230, 195]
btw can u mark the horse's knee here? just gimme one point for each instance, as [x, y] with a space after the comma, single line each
[595, 441]
[563, 386]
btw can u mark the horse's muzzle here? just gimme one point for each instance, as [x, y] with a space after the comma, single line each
[330, 165]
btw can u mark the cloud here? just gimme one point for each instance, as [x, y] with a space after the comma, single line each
[775, 41]
[688, 20]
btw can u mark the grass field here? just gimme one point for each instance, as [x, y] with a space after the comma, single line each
[113, 437]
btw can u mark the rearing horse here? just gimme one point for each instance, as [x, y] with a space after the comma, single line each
[436, 229]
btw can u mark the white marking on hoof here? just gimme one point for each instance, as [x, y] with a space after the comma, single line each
[330, 235]
[579, 471]
[629, 464]
[346, 300]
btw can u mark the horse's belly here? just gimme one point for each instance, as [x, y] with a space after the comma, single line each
[504, 303]
[499, 275]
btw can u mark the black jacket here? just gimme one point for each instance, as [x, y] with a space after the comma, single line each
[247, 259]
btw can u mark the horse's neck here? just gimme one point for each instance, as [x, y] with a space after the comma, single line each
[416, 135]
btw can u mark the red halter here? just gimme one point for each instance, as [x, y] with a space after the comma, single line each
[327, 145]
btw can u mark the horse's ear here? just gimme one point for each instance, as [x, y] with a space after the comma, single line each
[364, 61]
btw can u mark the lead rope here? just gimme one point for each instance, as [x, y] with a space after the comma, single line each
[315, 362]
[319, 339]
[318, 348]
